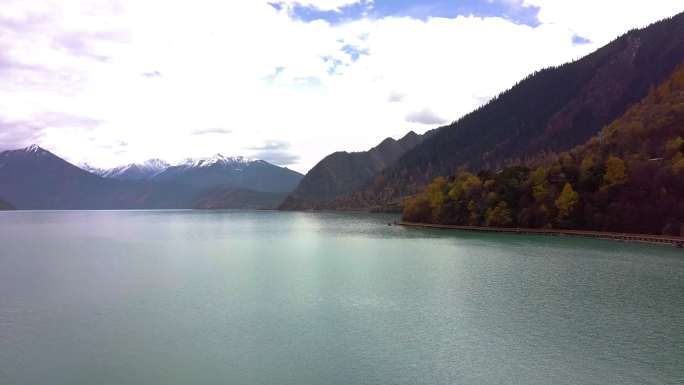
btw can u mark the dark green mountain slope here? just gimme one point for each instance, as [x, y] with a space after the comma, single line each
[629, 178]
[342, 173]
[551, 110]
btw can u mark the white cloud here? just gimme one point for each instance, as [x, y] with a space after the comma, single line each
[250, 70]
[424, 116]
[323, 5]
[602, 21]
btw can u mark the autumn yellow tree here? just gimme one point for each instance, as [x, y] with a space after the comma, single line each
[674, 146]
[540, 186]
[417, 209]
[586, 166]
[567, 201]
[472, 185]
[436, 196]
[499, 215]
[615, 171]
[435, 191]
[678, 164]
[473, 214]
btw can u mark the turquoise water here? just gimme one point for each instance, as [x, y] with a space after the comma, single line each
[313, 298]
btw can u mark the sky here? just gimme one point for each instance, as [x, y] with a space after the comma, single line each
[108, 82]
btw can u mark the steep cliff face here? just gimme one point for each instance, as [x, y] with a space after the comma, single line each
[342, 173]
[551, 110]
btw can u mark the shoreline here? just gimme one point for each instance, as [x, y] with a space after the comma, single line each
[621, 237]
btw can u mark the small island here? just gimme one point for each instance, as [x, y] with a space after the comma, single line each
[5, 206]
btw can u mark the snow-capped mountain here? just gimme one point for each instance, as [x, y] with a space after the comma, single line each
[217, 170]
[34, 148]
[133, 171]
[30, 155]
[34, 178]
[217, 160]
[233, 172]
[92, 169]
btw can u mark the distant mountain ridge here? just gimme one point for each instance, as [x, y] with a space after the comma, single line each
[236, 172]
[217, 160]
[34, 178]
[133, 171]
[228, 171]
[342, 172]
[551, 110]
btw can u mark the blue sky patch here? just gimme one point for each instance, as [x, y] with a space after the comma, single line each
[419, 9]
[332, 64]
[354, 52]
[276, 71]
[579, 40]
[277, 6]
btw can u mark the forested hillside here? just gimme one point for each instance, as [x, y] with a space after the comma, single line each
[549, 111]
[628, 178]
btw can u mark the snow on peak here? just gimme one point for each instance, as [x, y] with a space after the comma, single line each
[151, 165]
[91, 169]
[34, 148]
[146, 169]
[155, 164]
[217, 159]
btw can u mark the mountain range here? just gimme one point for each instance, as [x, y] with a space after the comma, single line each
[235, 172]
[132, 171]
[218, 170]
[551, 110]
[34, 178]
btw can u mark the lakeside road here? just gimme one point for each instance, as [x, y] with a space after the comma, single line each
[642, 238]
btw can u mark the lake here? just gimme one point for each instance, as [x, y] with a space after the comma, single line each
[247, 297]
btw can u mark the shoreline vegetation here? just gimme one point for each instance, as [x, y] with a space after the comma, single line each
[623, 237]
